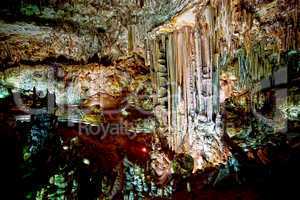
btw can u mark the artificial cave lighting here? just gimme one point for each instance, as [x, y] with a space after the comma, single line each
[150, 99]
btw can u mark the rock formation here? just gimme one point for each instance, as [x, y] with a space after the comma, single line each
[206, 91]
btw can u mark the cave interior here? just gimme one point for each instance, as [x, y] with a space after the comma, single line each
[150, 99]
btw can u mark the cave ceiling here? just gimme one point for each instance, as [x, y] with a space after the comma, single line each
[77, 30]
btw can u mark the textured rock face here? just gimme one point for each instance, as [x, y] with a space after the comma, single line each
[74, 83]
[76, 30]
[90, 93]
[250, 37]
[155, 13]
[79, 30]
[24, 42]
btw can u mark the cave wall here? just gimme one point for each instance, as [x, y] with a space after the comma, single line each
[232, 51]
[80, 50]
[79, 31]
[250, 37]
[85, 52]
[255, 49]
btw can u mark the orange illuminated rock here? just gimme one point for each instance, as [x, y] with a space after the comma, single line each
[104, 101]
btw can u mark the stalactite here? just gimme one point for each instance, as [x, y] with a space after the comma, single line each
[228, 36]
[190, 64]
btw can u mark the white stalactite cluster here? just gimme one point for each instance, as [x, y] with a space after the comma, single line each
[183, 71]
